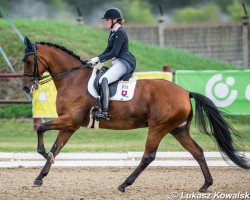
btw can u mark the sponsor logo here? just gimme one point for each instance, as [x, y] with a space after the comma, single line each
[219, 92]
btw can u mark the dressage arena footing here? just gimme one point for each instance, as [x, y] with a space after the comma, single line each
[129, 159]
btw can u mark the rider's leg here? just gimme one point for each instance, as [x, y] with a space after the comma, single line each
[115, 72]
[112, 75]
[105, 99]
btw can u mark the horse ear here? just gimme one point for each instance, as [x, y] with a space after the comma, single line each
[27, 42]
[29, 45]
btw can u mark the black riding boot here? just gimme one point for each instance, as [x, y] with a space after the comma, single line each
[105, 100]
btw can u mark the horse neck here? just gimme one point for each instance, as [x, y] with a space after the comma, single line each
[60, 61]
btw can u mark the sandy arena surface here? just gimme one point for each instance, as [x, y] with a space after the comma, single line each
[101, 183]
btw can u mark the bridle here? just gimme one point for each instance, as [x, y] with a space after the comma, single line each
[36, 76]
[40, 80]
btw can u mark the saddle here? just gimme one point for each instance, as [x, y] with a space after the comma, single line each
[121, 90]
[112, 86]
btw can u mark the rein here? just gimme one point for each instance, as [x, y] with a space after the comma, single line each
[37, 78]
[59, 75]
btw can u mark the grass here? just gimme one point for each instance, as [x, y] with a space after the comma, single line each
[87, 42]
[16, 110]
[17, 135]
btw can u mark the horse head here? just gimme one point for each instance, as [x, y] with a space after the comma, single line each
[33, 69]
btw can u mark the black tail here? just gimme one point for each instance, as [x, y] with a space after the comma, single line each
[210, 121]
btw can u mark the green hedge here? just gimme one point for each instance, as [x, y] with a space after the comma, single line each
[16, 110]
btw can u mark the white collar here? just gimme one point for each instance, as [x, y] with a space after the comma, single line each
[116, 28]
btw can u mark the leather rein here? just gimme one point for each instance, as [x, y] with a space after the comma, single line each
[37, 78]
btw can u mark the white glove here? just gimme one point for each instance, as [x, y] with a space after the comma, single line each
[93, 60]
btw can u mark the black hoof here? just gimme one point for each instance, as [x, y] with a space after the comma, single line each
[203, 190]
[37, 183]
[121, 189]
[205, 186]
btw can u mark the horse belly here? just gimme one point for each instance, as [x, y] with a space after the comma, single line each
[127, 115]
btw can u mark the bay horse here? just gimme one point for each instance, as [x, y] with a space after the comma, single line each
[160, 105]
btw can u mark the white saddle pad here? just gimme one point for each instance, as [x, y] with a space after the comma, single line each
[125, 89]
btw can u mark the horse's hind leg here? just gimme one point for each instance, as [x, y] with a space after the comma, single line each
[182, 135]
[62, 138]
[152, 143]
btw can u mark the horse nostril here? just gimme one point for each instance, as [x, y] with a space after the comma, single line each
[26, 89]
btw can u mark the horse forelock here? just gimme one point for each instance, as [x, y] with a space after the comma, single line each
[71, 53]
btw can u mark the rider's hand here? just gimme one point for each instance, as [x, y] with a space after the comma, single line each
[93, 60]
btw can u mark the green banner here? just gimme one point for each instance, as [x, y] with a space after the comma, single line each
[228, 89]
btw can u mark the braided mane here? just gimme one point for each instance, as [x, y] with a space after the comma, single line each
[63, 49]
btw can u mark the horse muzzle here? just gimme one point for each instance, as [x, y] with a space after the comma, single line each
[30, 87]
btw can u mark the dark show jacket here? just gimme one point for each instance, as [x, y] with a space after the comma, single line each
[118, 48]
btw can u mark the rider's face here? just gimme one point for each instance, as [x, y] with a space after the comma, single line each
[108, 23]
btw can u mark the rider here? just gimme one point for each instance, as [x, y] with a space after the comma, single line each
[123, 62]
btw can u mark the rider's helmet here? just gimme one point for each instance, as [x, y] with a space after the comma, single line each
[113, 13]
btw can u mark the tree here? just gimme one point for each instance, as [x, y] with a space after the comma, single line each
[236, 11]
[206, 13]
[136, 11]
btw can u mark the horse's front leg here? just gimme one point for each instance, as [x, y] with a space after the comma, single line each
[40, 133]
[61, 123]
[62, 138]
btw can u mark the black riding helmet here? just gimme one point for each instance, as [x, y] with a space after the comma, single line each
[113, 13]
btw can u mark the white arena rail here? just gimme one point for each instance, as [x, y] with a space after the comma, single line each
[129, 159]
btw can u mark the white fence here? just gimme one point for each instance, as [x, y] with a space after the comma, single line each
[129, 159]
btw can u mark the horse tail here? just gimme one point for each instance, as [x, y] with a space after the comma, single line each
[210, 121]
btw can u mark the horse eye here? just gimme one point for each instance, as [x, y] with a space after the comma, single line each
[28, 62]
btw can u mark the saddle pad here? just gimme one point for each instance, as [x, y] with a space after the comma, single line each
[125, 89]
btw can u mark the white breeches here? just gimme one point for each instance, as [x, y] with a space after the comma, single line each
[115, 72]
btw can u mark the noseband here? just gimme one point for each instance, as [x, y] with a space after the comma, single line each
[36, 76]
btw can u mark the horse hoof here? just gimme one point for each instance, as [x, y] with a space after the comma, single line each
[121, 189]
[203, 190]
[37, 183]
[205, 186]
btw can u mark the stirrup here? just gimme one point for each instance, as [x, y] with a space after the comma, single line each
[102, 115]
